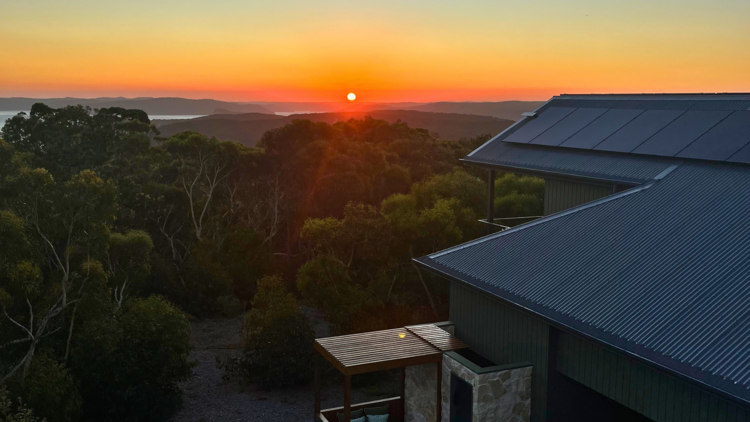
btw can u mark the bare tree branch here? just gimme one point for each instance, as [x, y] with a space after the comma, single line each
[70, 334]
[18, 341]
[424, 285]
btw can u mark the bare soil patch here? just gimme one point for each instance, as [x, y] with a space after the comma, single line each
[208, 398]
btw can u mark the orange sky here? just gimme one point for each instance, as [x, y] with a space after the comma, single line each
[406, 50]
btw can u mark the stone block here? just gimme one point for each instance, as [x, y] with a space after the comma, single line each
[497, 396]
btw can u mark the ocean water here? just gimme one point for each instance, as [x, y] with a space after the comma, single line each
[5, 115]
[174, 116]
[289, 113]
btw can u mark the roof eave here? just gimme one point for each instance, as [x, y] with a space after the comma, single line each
[594, 179]
[736, 394]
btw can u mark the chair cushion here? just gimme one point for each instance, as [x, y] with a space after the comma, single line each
[356, 415]
[380, 410]
[377, 418]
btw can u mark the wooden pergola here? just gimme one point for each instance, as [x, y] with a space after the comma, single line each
[381, 350]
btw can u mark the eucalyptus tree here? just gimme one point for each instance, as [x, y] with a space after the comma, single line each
[63, 226]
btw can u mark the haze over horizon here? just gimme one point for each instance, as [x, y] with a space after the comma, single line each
[389, 51]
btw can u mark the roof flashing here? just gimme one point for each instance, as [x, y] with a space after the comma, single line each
[666, 172]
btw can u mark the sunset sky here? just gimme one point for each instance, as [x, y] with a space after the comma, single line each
[407, 50]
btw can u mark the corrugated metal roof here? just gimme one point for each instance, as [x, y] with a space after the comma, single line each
[583, 164]
[661, 272]
[669, 125]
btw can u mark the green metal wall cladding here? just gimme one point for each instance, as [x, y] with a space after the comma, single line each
[506, 335]
[560, 195]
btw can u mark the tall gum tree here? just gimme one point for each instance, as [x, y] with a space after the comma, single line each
[60, 226]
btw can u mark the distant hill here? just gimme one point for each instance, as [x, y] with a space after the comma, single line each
[504, 109]
[330, 107]
[149, 105]
[225, 111]
[180, 106]
[212, 120]
[249, 128]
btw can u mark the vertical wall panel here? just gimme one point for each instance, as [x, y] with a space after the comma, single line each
[560, 195]
[655, 394]
[504, 336]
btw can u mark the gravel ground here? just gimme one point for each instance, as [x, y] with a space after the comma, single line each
[207, 398]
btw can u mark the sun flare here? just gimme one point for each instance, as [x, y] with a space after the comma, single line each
[351, 96]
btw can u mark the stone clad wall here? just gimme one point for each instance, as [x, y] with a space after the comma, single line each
[420, 392]
[421, 389]
[502, 396]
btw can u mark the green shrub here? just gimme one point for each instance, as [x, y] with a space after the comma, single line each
[278, 340]
[49, 389]
[281, 355]
[10, 412]
[157, 338]
[138, 380]
[272, 301]
[230, 306]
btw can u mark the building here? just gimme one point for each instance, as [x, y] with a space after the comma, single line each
[631, 297]
[628, 301]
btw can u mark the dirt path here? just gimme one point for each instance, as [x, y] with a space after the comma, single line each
[207, 398]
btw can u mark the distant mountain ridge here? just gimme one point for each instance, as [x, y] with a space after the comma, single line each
[249, 128]
[153, 106]
[181, 106]
[504, 109]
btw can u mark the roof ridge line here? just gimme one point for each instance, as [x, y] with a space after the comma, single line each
[682, 96]
[551, 217]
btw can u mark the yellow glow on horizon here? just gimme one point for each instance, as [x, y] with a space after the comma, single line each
[351, 96]
[304, 50]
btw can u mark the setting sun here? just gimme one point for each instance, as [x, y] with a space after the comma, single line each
[351, 96]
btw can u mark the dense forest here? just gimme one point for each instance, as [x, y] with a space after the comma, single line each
[112, 238]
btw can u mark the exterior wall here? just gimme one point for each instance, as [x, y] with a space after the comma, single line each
[497, 396]
[560, 195]
[658, 396]
[420, 391]
[503, 335]
[506, 335]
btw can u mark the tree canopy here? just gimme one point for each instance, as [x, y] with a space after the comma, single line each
[110, 236]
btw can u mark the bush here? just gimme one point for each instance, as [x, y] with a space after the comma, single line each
[15, 413]
[271, 302]
[230, 306]
[324, 282]
[138, 380]
[157, 339]
[278, 340]
[49, 389]
[281, 355]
